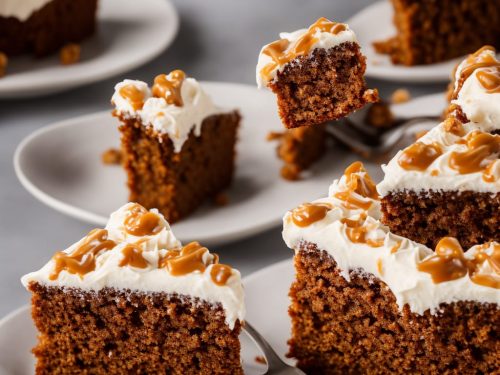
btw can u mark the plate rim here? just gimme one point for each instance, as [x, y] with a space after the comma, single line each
[14, 91]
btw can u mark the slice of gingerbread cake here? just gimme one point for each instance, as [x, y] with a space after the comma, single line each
[178, 148]
[448, 182]
[367, 301]
[130, 298]
[316, 73]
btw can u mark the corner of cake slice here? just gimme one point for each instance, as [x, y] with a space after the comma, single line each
[316, 73]
[130, 298]
[448, 182]
[178, 147]
[368, 301]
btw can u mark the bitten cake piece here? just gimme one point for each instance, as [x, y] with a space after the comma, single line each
[430, 31]
[366, 301]
[316, 73]
[448, 182]
[130, 299]
[44, 26]
[178, 147]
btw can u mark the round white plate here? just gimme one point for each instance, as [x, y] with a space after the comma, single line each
[130, 33]
[266, 310]
[61, 165]
[374, 23]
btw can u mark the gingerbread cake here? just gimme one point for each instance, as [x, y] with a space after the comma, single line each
[178, 148]
[130, 298]
[431, 31]
[448, 182]
[367, 301]
[317, 74]
[44, 26]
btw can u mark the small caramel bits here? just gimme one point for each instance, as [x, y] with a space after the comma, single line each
[309, 213]
[140, 222]
[4, 61]
[112, 156]
[357, 232]
[379, 115]
[360, 183]
[133, 95]
[400, 96]
[419, 156]
[132, 256]
[169, 87]
[70, 54]
[454, 126]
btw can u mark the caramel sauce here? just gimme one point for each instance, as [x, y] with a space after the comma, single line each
[487, 67]
[490, 79]
[488, 175]
[396, 247]
[133, 95]
[380, 266]
[452, 125]
[480, 146]
[220, 273]
[82, 260]
[352, 202]
[356, 232]
[362, 185]
[419, 156]
[132, 256]
[309, 213]
[434, 173]
[281, 53]
[449, 263]
[169, 87]
[140, 222]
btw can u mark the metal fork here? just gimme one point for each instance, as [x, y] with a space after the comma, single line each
[275, 366]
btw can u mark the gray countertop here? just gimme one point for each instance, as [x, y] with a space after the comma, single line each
[218, 40]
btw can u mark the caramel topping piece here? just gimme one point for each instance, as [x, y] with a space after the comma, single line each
[140, 222]
[396, 247]
[448, 263]
[362, 185]
[134, 96]
[220, 273]
[480, 146]
[132, 256]
[309, 213]
[490, 79]
[452, 125]
[169, 87]
[70, 54]
[282, 53]
[380, 266]
[488, 175]
[419, 156]
[356, 232]
[352, 202]
[487, 68]
[82, 260]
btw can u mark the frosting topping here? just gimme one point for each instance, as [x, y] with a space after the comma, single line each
[137, 251]
[21, 9]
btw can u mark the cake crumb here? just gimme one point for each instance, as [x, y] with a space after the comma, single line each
[260, 359]
[221, 199]
[379, 115]
[3, 63]
[400, 96]
[70, 54]
[290, 172]
[111, 156]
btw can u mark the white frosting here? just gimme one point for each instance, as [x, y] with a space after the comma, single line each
[177, 122]
[480, 107]
[445, 179]
[397, 269]
[20, 9]
[325, 40]
[108, 273]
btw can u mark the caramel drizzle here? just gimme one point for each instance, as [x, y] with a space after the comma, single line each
[419, 156]
[132, 256]
[82, 260]
[169, 87]
[480, 146]
[487, 67]
[189, 259]
[490, 79]
[309, 213]
[140, 222]
[281, 53]
[360, 183]
[356, 231]
[133, 95]
[449, 263]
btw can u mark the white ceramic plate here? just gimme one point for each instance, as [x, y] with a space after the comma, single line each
[130, 33]
[61, 165]
[266, 310]
[374, 23]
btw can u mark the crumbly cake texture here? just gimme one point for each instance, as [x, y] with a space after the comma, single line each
[469, 216]
[325, 86]
[178, 183]
[430, 31]
[341, 327]
[117, 332]
[300, 148]
[57, 23]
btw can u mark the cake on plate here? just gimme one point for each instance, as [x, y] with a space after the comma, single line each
[431, 31]
[178, 148]
[366, 300]
[448, 182]
[316, 73]
[130, 298]
[41, 27]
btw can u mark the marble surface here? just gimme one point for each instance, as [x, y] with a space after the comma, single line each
[218, 40]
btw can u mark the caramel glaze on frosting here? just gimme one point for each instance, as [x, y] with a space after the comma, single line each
[137, 251]
[418, 276]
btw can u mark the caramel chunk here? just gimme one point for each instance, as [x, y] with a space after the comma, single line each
[400, 96]
[70, 54]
